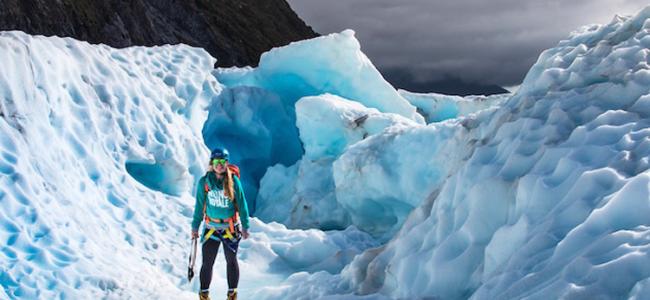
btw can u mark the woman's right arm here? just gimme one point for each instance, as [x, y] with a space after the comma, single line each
[198, 206]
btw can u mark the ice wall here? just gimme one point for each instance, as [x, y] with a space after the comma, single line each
[554, 199]
[257, 129]
[320, 190]
[547, 198]
[304, 195]
[80, 125]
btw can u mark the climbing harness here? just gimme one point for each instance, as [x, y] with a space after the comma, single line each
[224, 235]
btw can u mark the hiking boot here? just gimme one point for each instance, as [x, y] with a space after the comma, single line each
[204, 295]
[232, 294]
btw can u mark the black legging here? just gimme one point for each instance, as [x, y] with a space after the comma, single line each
[210, 249]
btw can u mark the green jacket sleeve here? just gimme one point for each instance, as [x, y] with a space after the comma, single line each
[241, 202]
[198, 206]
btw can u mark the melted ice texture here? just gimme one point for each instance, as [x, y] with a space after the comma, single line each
[543, 194]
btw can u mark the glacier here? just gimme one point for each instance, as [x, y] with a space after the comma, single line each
[360, 191]
[546, 197]
[99, 154]
[77, 120]
[329, 64]
[327, 124]
[436, 107]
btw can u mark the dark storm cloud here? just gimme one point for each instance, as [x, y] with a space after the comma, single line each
[485, 41]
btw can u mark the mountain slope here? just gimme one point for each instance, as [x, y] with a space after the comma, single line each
[236, 32]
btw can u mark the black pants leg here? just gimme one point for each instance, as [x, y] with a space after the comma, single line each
[210, 249]
[232, 267]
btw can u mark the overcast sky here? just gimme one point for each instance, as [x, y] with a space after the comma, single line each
[483, 41]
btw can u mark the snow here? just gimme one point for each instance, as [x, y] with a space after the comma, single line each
[542, 194]
[285, 248]
[76, 118]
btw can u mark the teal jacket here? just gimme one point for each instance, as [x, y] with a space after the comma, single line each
[218, 205]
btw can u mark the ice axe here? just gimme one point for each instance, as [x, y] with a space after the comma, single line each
[190, 268]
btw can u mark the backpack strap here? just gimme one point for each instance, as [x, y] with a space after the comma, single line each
[234, 169]
[206, 188]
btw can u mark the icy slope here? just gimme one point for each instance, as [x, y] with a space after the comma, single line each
[545, 197]
[100, 149]
[76, 119]
[554, 200]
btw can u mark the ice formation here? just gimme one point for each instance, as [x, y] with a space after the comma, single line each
[543, 194]
[329, 123]
[257, 128]
[438, 107]
[548, 198]
[99, 154]
[77, 120]
[328, 64]
[306, 190]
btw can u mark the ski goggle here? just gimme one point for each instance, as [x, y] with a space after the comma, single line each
[219, 161]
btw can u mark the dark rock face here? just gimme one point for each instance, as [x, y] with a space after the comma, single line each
[236, 32]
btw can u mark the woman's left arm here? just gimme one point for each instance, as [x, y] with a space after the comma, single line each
[242, 205]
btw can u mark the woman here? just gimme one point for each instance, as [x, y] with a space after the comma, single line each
[221, 204]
